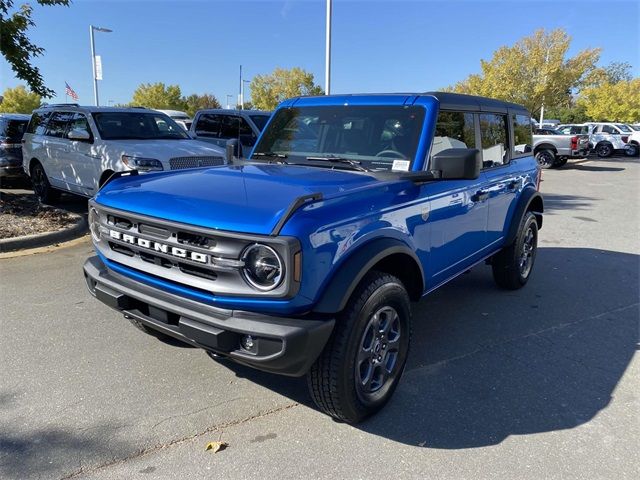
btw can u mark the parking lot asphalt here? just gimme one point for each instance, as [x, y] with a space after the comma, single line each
[536, 383]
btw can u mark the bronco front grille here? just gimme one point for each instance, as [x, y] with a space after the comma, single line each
[178, 163]
[205, 259]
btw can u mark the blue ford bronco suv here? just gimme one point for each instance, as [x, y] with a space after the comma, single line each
[305, 257]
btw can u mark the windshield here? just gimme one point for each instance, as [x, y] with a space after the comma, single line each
[260, 120]
[370, 136]
[137, 126]
[634, 127]
[623, 128]
[181, 117]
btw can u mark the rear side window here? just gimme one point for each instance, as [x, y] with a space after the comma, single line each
[38, 123]
[232, 127]
[493, 136]
[58, 123]
[453, 130]
[208, 125]
[522, 137]
[13, 129]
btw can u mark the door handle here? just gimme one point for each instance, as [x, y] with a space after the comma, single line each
[480, 196]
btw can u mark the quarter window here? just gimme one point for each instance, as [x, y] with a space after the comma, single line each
[454, 130]
[493, 136]
[522, 134]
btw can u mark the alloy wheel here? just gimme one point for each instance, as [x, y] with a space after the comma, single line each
[526, 254]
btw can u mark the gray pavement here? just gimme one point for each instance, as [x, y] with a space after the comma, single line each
[538, 383]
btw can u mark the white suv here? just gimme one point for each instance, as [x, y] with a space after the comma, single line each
[77, 149]
[609, 138]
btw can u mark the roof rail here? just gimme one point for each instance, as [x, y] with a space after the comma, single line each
[52, 105]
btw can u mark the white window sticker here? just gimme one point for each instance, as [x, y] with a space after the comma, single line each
[400, 166]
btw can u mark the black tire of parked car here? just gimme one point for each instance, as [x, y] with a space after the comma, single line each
[512, 266]
[546, 158]
[560, 162]
[41, 186]
[604, 150]
[362, 363]
[632, 150]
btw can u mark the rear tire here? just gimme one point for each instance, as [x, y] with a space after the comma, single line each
[512, 266]
[546, 158]
[41, 186]
[362, 363]
[631, 150]
[604, 150]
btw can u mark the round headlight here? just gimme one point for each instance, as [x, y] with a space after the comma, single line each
[263, 268]
[94, 224]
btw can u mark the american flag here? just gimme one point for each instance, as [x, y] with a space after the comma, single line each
[71, 92]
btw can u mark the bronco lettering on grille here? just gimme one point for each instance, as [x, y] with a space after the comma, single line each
[159, 247]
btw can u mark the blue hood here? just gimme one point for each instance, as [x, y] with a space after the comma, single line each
[248, 199]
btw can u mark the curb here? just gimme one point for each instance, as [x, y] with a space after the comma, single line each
[44, 239]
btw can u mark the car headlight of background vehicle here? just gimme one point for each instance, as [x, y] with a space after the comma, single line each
[142, 164]
[263, 268]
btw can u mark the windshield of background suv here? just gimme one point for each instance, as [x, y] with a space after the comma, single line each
[137, 126]
[623, 128]
[369, 136]
[260, 120]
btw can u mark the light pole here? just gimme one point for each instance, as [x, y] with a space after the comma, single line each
[327, 60]
[93, 60]
[228, 104]
[242, 94]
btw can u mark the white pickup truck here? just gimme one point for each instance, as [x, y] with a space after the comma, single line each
[553, 148]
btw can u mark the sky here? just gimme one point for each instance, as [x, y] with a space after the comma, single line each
[378, 46]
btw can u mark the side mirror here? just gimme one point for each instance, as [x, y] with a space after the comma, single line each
[457, 164]
[79, 134]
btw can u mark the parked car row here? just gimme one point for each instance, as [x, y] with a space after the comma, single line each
[554, 146]
[73, 148]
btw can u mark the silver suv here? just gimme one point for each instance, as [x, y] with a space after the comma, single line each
[77, 149]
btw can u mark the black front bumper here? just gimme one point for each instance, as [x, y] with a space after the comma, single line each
[287, 346]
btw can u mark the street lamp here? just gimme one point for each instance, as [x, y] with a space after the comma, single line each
[228, 104]
[242, 93]
[93, 60]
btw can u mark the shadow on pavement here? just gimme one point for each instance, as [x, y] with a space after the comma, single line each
[554, 202]
[592, 168]
[487, 363]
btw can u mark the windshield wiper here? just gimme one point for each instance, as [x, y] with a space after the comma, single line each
[278, 157]
[346, 161]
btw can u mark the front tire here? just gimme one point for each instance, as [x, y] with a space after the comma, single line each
[546, 158]
[41, 186]
[512, 266]
[361, 365]
[631, 150]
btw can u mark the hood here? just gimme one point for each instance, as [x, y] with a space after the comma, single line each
[248, 199]
[164, 150]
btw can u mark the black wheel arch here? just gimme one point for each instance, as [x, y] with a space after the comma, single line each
[530, 201]
[545, 146]
[387, 255]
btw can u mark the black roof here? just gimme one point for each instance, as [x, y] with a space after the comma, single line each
[472, 102]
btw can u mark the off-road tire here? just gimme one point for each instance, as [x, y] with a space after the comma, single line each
[332, 379]
[507, 264]
[41, 186]
[546, 158]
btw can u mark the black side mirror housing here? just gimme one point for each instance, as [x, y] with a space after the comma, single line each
[456, 164]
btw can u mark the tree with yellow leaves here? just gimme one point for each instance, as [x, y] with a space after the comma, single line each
[613, 102]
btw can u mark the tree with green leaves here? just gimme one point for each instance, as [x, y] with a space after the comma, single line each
[613, 102]
[534, 71]
[269, 90]
[197, 102]
[17, 49]
[19, 100]
[159, 96]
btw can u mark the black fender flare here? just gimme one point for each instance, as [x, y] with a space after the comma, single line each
[526, 203]
[545, 146]
[355, 267]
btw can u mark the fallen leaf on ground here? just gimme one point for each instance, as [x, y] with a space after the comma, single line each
[216, 446]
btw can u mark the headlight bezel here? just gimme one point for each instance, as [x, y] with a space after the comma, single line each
[142, 164]
[249, 276]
